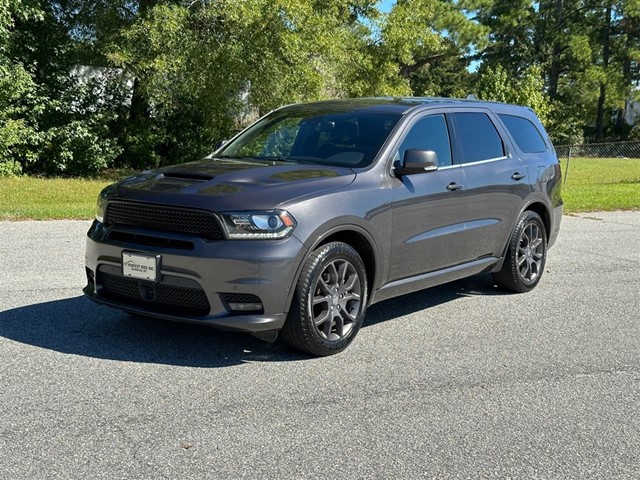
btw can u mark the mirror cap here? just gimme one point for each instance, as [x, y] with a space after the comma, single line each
[419, 161]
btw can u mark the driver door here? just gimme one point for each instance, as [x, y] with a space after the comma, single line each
[429, 209]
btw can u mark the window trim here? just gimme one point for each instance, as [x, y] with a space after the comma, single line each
[404, 129]
[489, 160]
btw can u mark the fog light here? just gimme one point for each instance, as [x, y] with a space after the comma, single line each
[245, 307]
[242, 302]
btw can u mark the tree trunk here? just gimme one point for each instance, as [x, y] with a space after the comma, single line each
[629, 28]
[139, 104]
[556, 61]
[554, 71]
[139, 108]
[606, 40]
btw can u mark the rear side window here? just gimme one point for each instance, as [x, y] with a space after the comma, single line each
[525, 134]
[479, 139]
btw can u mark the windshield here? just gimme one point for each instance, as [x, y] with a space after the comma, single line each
[345, 137]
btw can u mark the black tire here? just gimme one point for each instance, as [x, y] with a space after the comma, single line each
[329, 302]
[526, 255]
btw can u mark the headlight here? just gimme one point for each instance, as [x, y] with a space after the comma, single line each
[103, 197]
[258, 225]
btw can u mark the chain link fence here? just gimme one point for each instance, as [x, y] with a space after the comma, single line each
[600, 150]
[600, 163]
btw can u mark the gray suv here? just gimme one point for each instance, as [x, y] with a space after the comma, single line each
[319, 210]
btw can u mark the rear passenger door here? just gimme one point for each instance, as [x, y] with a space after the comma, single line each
[496, 180]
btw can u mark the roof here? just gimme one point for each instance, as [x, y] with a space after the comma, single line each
[398, 105]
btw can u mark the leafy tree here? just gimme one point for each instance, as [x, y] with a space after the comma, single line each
[512, 32]
[446, 76]
[419, 39]
[498, 85]
[51, 120]
[16, 131]
[227, 61]
[89, 84]
[616, 45]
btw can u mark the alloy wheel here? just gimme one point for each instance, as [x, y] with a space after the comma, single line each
[336, 299]
[530, 254]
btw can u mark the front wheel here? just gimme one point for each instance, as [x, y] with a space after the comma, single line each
[329, 302]
[526, 255]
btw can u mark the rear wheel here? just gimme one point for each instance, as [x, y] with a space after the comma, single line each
[526, 255]
[329, 302]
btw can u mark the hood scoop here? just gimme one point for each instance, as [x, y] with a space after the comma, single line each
[169, 182]
[189, 176]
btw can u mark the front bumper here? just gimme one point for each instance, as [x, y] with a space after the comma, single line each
[207, 274]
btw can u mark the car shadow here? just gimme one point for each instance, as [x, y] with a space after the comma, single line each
[80, 327]
[431, 297]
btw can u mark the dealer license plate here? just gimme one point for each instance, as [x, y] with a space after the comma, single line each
[136, 265]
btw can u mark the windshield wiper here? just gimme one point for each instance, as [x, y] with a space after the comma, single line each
[239, 159]
[276, 159]
[235, 157]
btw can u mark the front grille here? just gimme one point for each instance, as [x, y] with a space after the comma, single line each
[164, 218]
[155, 296]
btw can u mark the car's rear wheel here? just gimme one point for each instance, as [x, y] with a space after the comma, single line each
[526, 255]
[329, 302]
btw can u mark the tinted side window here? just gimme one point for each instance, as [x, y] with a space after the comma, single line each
[429, 133]
[525, 134]
[479, 139]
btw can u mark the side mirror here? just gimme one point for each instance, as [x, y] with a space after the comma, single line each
[418, 161]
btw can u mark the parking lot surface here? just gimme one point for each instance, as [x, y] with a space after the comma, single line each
[459, 381]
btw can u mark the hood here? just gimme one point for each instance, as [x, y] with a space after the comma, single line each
[229, 184]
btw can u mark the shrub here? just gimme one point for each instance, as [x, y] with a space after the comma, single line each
[78, 148]
[10, 168]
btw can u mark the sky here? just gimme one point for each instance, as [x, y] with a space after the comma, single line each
[385, 5]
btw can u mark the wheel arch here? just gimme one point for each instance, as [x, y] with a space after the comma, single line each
[361, 245]
[358, 238]
[543, 211]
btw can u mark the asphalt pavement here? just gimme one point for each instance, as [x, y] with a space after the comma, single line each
[459, 381]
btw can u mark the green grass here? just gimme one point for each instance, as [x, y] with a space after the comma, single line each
[593, 184]
[48, 198]
[601, 184]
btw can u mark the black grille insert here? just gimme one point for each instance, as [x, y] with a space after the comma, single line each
[164, 218]
[155, 296]
[130, 237]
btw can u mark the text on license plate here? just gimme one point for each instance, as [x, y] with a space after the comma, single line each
[141, 266]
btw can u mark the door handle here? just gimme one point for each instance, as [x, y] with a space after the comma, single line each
[454, 186]
[518, 176]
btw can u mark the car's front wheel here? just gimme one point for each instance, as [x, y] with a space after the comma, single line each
[526, 255]
[329, 301]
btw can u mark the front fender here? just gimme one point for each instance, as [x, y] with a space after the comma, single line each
[336, 227]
